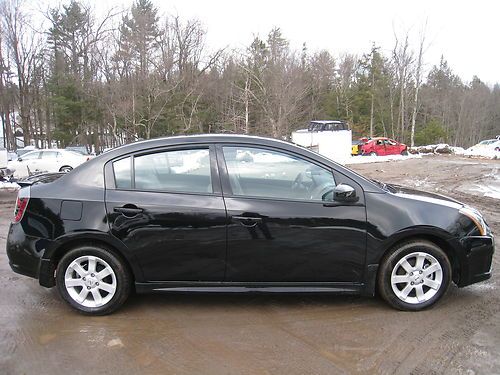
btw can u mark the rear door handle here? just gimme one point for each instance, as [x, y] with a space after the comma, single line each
[128, 210]
[247, 221]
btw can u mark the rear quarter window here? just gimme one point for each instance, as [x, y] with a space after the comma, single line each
[122, 172]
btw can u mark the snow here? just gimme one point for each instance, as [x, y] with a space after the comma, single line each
[10, 186]
[191, 161]
[377, 159]
[491, 186]
[440, 148]
[264, 157]
[491, 191]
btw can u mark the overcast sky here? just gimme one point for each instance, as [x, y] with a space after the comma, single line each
[467, 33]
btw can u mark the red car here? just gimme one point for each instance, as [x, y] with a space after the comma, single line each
[383, 146]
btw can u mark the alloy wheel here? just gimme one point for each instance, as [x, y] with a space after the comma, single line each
[90, 281]
[416, 278]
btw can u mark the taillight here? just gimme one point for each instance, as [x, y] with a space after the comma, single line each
[21, 204]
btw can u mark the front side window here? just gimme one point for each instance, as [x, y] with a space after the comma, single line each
[256, 172]
[185, 171]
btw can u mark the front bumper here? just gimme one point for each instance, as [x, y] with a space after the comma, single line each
[25, 255]
[477, 258]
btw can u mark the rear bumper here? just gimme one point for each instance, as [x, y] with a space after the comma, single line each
[476, 264]
[25, 255]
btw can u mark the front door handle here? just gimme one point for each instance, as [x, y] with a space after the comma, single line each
[247, 221]
[128, 210]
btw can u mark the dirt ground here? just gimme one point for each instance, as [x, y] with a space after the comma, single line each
[264, 334]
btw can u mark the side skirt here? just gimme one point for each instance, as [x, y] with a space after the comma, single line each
[247, 287]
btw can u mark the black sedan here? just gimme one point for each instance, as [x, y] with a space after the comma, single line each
[237, 213]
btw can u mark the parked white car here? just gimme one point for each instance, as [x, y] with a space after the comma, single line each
[40, 161]
[489, 148]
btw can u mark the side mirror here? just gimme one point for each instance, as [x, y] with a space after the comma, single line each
[344, 193]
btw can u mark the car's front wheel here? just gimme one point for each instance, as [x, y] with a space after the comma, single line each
[66, 169]
[93, 280]
[414, 275]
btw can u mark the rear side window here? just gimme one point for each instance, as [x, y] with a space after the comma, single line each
[123, 177]
[185, 171]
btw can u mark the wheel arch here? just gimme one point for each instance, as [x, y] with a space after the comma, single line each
[65, 166]
[61, 246]
[431, 235]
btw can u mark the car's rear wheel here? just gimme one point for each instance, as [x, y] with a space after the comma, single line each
[93, 280]
[414, 275]
[373, 153]
[66, 169]
[404, 152]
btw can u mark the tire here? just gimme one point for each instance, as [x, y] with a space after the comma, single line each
[434, 285]
[404, 153]
[66, 169]
[373, 153]
[73, 279]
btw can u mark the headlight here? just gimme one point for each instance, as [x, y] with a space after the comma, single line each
[476, 217]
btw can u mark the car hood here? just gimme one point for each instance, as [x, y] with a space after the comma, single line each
[410, 193]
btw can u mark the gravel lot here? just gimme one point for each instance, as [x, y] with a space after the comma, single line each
[265, 334]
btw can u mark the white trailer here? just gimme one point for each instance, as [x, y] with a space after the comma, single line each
[332, 139]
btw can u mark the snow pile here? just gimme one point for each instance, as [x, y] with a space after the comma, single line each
[440, 148]
[376, 159]
[9, 186]
[443, 148]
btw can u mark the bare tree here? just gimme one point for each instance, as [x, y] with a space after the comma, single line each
[403, 58]
[418, 82]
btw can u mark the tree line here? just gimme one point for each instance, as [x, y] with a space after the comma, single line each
[102, 81]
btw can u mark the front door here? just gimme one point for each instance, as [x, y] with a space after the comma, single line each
[283, 227]
[391, 147]
[167, 209]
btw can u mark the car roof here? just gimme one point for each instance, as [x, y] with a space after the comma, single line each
[196, 138]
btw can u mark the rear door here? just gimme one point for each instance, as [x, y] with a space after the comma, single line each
[166, 207]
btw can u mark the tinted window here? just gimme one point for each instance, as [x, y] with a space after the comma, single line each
[177, 171]
[123, 179]
[258, 172]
